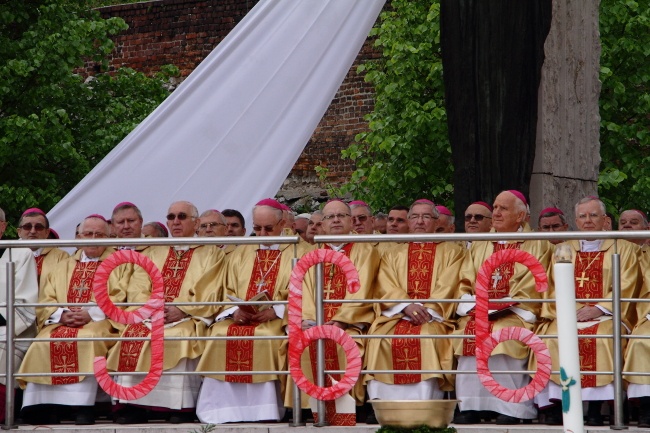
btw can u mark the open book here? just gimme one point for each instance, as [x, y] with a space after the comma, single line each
[253, 309]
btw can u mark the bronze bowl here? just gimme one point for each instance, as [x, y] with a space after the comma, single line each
[413, 413]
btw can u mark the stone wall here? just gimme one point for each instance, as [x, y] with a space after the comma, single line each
[184, 32]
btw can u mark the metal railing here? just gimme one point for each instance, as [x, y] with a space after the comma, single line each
[321, 371]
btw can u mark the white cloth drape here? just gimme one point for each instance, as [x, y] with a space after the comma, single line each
[232, 131]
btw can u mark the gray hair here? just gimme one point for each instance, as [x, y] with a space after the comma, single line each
[587, 200]
[215, 212]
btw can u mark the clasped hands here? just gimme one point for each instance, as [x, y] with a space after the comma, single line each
[418, 314]
[243, 318]
[75, 318]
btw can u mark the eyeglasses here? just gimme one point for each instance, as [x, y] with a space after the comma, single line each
[97, 235]
[29, 226]
[206, 225]
[267, 229]
[425, 217]
[592, 216]
[336, 215]
[478, 217]
[551, 228]
[360, 218]
[182, 216]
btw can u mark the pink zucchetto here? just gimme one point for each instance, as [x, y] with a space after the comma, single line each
[271, 203]
[98, 216]
[33, 210]
[53, 234]
[444, 210]
[485, 205]
[358, 203]
[519, 195]
[641, 213]
[123, 204]
[551, 210]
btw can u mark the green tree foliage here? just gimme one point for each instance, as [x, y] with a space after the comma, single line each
[54, 124]
[625, 104]
[406, 154]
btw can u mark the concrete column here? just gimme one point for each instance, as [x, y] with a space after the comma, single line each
[568, 149]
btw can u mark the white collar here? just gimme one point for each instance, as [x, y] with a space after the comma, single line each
[37, 252]
[270, 247]
[338, 247]
[591, 246]
[86, 259]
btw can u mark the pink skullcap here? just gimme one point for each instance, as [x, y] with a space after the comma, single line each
[285, 207]
[444, 210]
[358, 203]
[33, 210]
[214, 210]
[271, 203]
[593, 197]
[124, 204]
[96, 215]
[53, 234]
[485, 205]
[519, 195]
[551, 210]
[164, 228]
[424, 201]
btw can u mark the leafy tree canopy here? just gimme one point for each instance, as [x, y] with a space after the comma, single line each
[54, 124]
[406, 153]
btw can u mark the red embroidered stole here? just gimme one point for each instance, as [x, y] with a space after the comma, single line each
[173, 272]
[39, 267]
[64, 355]
[239, 352]
[500, 288]
[589, 284]
[407, 352]
[335, 287]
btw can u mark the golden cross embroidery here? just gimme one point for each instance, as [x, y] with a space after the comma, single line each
[177, 266]
[406, 360]
[65, 366]
[266, 262]
[82, 288]
[496, 278]
[87, 272]
[422, 250]
[582, 279]
[239, 361]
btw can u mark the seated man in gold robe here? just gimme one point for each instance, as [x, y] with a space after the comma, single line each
[353, 318]
[190, 274]
[71, 283]
[424, 271]
[251, 270]
[511, 281]
[34, 225]
[593, 279]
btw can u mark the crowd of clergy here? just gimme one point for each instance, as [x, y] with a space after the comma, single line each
[48, 369]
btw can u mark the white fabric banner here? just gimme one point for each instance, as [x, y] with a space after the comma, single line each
[232, 131]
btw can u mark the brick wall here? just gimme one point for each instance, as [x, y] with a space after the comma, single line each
[184, 32]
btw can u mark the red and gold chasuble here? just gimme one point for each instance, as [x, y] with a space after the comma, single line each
[173, 272]
[64, 355]
[335, 287]
[589, 284]
[407, 353]
[500, 288]
[39, 267]
[239, 352]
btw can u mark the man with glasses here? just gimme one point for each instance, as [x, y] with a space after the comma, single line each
[25, 291]
[71, 283]
[190, 274]
[34, 225]
[593, 279]
[424, 271]
[552, 219]
[509, 281]
[261, 271]
[353, 318]
[213, 224]
[362, 220]
[478, 218]
[235, 224]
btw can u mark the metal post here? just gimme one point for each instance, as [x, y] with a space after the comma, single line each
[297, 400]
[9, 345]
[320, 345]
[618, 355]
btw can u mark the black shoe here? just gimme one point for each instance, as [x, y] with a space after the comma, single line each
[181, 418]
[467, 417]
[40, 414]
[594, 417]
[131, 415]
[644, 420]
[84, 416]
[595, 421]
[507, 420]
[552, 415]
